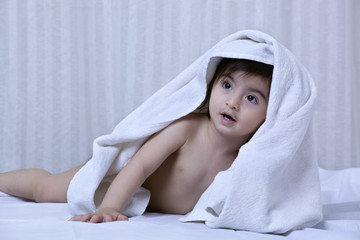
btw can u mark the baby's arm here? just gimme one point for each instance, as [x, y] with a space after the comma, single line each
[147, 159]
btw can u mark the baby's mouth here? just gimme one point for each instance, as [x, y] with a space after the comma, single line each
[227, 117]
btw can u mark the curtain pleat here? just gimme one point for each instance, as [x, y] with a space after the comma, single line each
[71, 70]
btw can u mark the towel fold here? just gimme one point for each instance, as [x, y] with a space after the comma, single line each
[273, 184]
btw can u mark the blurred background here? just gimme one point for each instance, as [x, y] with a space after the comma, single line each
[71, 70]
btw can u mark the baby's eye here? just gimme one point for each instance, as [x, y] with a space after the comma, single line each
[227, 85]
[251, 98]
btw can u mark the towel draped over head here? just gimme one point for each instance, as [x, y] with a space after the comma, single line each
[273, 184]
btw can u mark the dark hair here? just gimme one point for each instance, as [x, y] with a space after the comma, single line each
[228, 66]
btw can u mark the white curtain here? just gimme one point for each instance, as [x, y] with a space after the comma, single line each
[71, 70]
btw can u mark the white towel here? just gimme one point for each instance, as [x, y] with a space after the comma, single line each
[273, 184]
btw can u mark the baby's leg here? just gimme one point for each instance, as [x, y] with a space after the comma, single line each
[37, 184]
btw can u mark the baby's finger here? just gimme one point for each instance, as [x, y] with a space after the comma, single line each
[76, 218]
[122, 218]
[95, 219]
[108, 218]
[73, 218]
[86, 217]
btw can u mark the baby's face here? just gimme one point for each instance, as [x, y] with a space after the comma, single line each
[238, 104]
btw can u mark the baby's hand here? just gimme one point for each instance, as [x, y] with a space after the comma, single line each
[102, 215]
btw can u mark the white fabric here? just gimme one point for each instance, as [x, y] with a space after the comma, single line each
[20, 219]
[340, 195]
[275, 171]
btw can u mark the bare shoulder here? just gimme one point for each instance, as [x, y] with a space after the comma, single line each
[165, 142]
[189, 124]
[179, 131]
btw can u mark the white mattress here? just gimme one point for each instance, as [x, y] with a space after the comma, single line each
[21, 219]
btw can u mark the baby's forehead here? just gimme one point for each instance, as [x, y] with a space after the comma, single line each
[250, 80]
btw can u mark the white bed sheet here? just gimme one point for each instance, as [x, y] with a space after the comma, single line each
[22, 219]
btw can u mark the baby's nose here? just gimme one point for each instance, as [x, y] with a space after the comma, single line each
[233, 103]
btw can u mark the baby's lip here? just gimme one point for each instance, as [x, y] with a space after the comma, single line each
[228, 116]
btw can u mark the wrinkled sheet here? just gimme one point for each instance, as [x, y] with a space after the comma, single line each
[22, 219]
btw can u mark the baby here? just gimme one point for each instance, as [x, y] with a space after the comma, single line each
[178, 163]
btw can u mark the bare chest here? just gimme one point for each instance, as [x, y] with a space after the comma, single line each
[179, 182]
